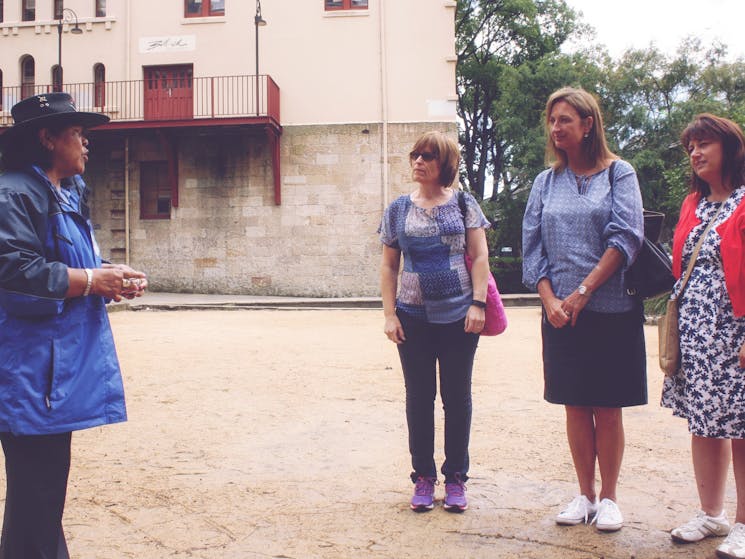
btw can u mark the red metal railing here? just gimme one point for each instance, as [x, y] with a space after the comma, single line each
[141, 100]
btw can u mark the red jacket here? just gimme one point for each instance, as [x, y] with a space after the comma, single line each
[732, 249]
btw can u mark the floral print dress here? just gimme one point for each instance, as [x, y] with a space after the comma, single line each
[709, 389]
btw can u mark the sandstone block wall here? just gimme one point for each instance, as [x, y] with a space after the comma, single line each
[228, 236]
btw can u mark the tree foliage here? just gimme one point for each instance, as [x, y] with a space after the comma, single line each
[509, 62]
[492, 38]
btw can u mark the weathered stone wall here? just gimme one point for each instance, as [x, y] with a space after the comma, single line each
[228, 236]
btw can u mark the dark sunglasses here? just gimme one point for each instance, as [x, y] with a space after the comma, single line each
[425, 155]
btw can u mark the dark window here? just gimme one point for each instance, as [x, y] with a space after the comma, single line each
[99, 85]
[217, 7]
[28, 77]
[155, 190]
[346, 4]
[56, 78]
[58, 8]
[204, 8]
[100, 8]
[1, 11]
[28, 10]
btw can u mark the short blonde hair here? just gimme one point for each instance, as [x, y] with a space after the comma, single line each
[446, 151]
[595, 144]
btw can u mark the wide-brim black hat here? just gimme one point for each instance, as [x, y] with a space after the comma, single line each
[48, 109]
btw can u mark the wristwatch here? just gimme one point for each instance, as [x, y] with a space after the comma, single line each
[582, 290]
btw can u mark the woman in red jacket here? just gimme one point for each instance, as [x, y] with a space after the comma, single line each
[709, 388]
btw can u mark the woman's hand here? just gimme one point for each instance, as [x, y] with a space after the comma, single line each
[115, 281]
[741, 356]
[573, 305]
[475, 318]
[393, 329]
[608, 264]
[552, 305]
[388, 280]
[555, 312]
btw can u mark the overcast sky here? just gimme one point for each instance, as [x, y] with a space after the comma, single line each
[636, 23]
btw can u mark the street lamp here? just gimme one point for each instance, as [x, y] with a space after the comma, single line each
[258, 21]
[68, 16]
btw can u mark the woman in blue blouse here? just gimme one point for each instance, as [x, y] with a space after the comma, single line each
[582, 229]
[438, 312]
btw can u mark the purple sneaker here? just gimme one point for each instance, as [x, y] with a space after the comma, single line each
[455, 495]
[424, 494]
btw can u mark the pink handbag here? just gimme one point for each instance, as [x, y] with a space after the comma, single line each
[496, 319]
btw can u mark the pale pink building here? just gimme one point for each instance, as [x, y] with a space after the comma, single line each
[214, 177]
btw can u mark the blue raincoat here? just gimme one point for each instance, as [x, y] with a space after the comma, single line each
[58, 366]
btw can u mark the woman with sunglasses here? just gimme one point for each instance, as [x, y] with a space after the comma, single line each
[438, 312]
[583, 227]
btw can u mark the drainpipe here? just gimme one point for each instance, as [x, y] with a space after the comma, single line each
[128, 42]
[385, 190]
[126, 200]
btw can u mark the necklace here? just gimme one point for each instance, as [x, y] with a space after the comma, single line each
[583, 182]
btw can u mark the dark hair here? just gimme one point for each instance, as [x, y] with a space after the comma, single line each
[586, 105]
[706, 126]
[447, 152]
[27, 149]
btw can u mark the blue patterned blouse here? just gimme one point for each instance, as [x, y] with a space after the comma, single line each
[435, 284]
[568, 225]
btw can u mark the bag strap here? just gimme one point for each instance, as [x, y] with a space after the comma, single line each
[694, 255]
[462, 205]
[611, 176]
[463, 210]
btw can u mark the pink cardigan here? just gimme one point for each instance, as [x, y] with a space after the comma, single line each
[732, 249]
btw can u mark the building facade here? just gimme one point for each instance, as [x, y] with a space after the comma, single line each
[252, 146]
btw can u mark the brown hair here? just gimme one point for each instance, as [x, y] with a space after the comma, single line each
[447, 152]
[707, 126]
[585, 104]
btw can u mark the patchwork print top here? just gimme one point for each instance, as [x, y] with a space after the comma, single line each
[435, 284]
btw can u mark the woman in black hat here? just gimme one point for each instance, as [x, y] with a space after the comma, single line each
[58, 367]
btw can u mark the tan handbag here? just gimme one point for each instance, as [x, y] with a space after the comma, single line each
[669, 337]
[667, 326]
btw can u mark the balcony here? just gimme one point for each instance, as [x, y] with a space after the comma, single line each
[172, 102]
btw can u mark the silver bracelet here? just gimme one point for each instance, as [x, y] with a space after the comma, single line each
[89, 284]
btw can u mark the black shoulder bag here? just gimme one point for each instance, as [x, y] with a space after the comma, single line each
[651, 274]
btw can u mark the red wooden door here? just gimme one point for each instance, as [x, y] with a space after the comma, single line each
[169, 93]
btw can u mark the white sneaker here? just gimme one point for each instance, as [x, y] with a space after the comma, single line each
[609, 517]
[579, 510]
[734, 546]
[703, 526]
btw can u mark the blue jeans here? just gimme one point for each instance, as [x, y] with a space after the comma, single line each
[427, 345]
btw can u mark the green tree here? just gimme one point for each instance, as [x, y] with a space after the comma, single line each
[509, 62]
[648, 100]
[493, 37]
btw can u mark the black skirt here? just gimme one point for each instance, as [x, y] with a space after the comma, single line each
[601, 361]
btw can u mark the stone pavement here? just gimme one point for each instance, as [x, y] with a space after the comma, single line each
[281, 433]
[185, 301]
